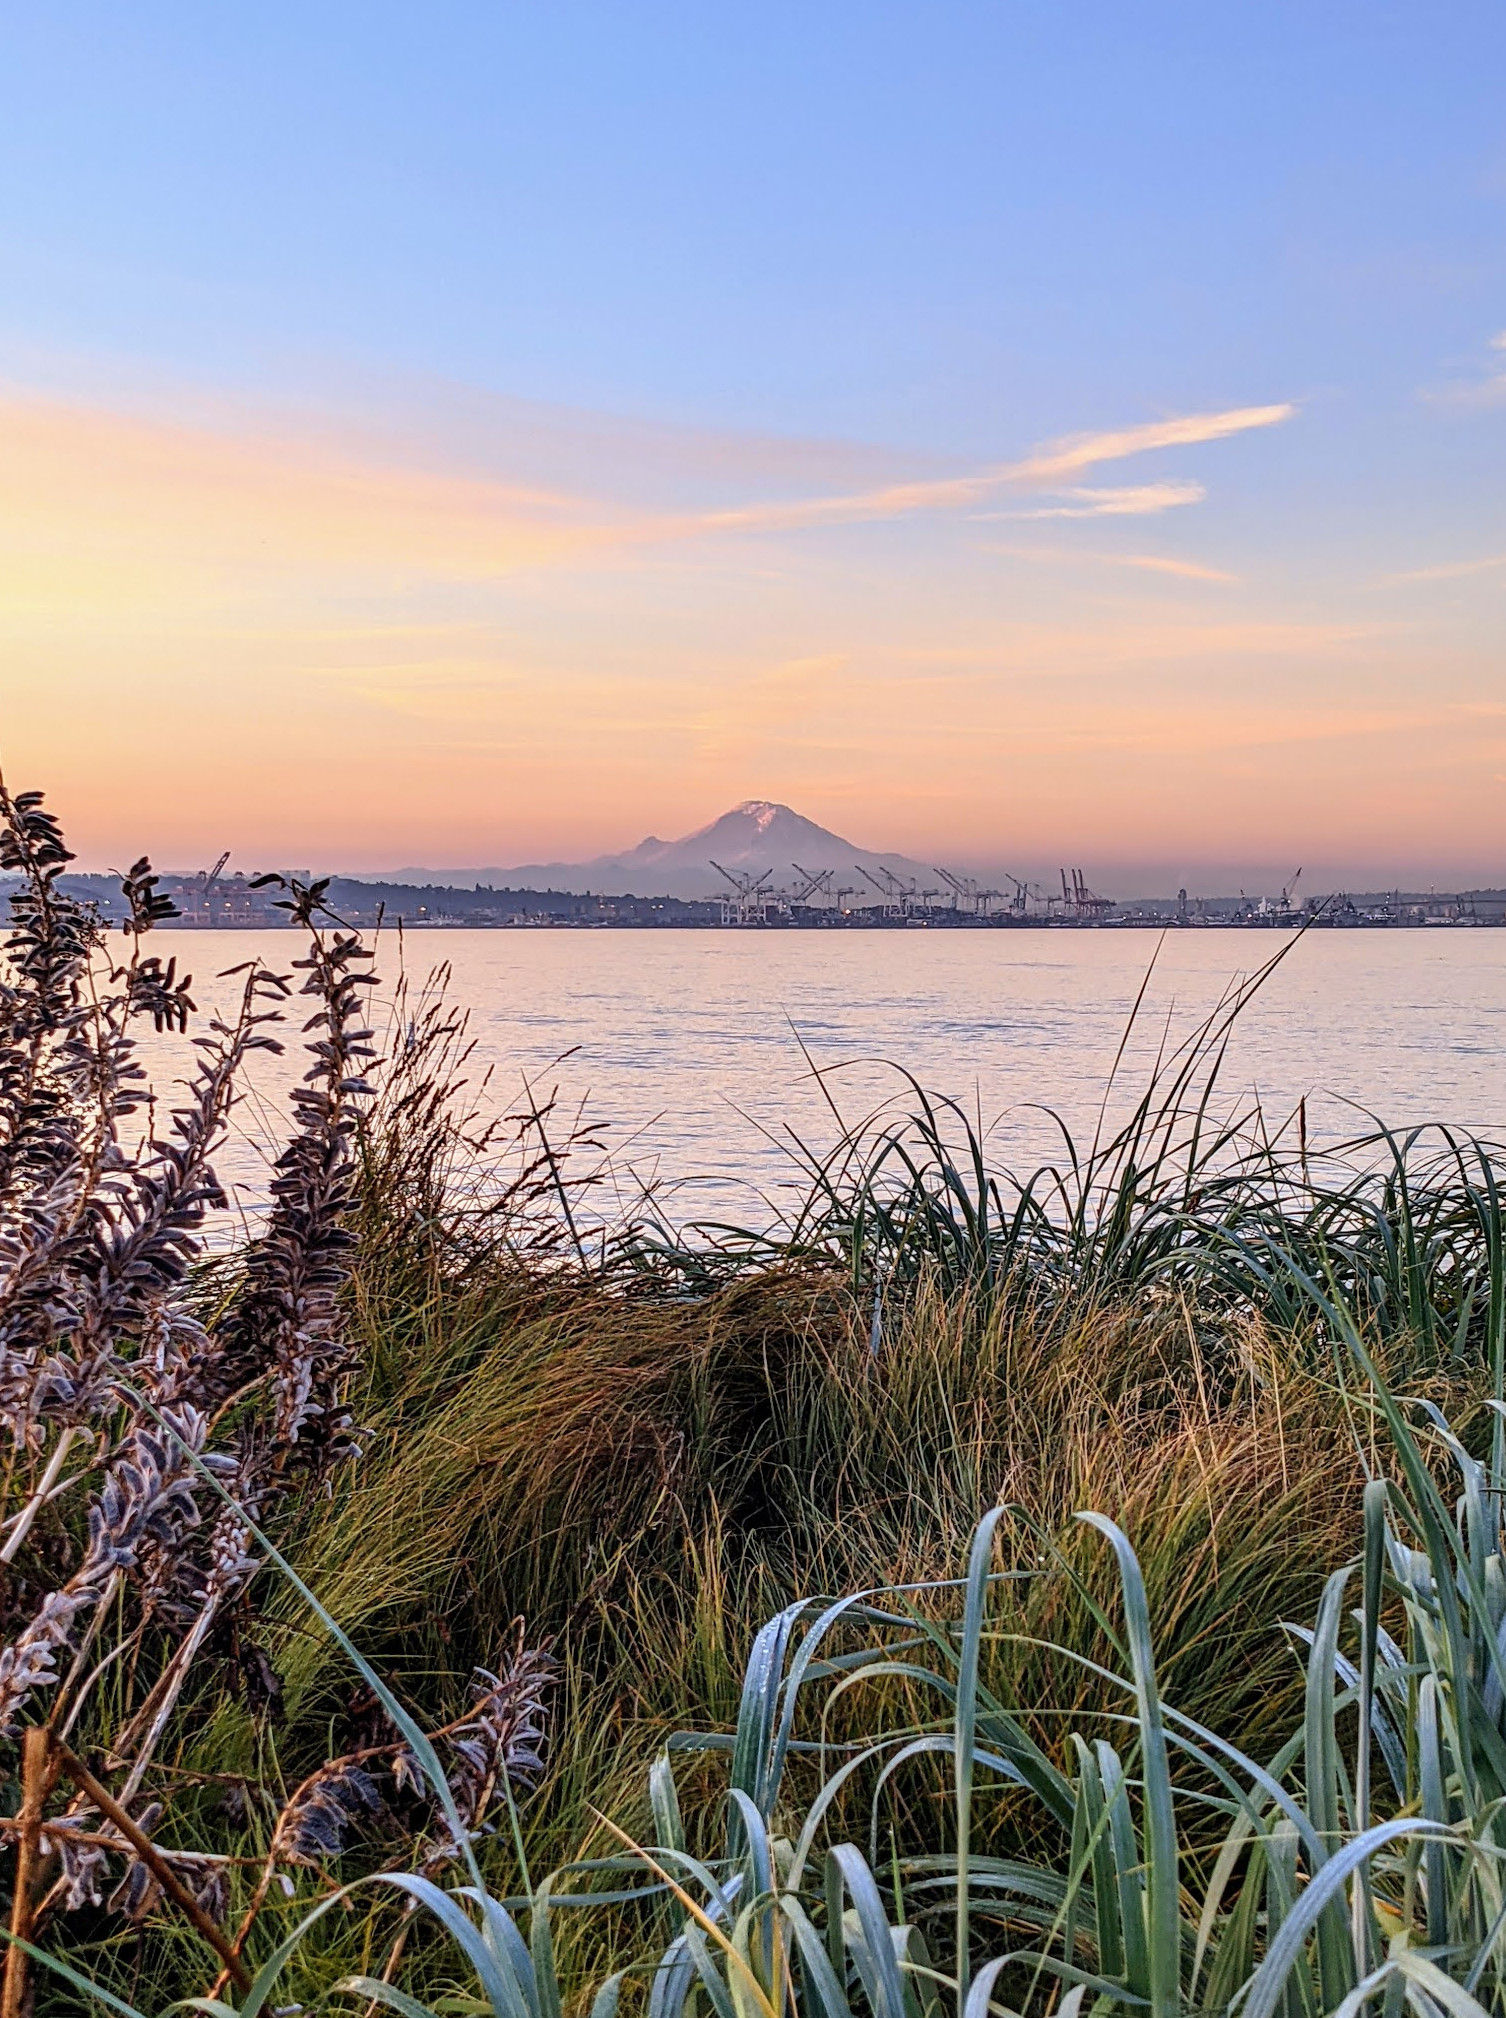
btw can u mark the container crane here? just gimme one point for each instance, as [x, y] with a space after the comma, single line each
[206, 880]
[1020, 902]
[966, 894]
[749, 903]
[814, 883]
[903, 900]
[1078, 901]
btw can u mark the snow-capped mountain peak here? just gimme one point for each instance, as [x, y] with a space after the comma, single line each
[757, 836]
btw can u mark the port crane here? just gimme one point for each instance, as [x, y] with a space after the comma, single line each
[1286, 909]
[1020, 902]
[902, 900]
[205, 881]
[813, 883]
[966, 895]
[1078, 901]
[750, 899]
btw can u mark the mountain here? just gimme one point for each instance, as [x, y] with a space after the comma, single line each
[752, 838]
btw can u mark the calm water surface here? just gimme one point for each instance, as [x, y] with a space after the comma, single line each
[683, 1043]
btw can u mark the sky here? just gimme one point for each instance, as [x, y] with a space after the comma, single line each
[1009, 434]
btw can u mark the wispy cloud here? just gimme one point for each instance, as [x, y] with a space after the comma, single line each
[1158, 564]
[108, 509]
[1144, 500]
[1083, 451]
[1163, 564]
[1453, 571]
[1476, 391]
[1041, 470]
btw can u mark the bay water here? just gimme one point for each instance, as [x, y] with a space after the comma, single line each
[691, 1052]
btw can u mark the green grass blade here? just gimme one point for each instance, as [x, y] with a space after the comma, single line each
[1269, 1980]
[965, 1727]
[1163, 1885]
[377, 1992]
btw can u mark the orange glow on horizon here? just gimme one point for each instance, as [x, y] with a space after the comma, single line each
[309, 649]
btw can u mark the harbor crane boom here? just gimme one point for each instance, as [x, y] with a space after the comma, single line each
[966, 893]
[1078, 901]
[745, 885]
[902, 899]
[749, 902]
[813, 882]
[964, 890]
[206, 880]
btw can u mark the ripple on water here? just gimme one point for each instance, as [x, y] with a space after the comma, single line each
[683, 1040]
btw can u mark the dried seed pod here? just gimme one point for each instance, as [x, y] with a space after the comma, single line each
[109, 1379]
[313, 1824]
[136, 1894]
[82, 1866]
[500, 1744]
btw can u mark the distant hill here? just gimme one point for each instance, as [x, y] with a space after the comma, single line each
[752, 838]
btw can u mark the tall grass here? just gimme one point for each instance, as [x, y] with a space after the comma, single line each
[988, 1790]
[1191, 1190]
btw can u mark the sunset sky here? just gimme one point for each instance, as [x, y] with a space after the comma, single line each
[1015, 434]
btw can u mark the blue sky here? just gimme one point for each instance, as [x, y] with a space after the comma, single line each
[673, 258]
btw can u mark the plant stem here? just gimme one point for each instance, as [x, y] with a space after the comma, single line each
[38, 1768]
[166, 1877]
[160, 1702]
[38, 1500]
